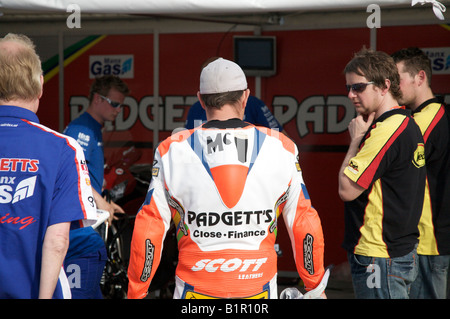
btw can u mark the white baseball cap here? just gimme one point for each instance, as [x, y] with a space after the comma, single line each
[221, 76]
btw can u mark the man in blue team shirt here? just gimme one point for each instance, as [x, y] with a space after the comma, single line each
[87, 250]
[44, 184]
[106, 96]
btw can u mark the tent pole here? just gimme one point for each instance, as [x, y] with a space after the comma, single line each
[373, 39]
[257, 92]
[155, 88]
[61, 79]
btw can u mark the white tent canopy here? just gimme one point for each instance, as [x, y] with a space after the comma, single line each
[267, 14]
[175, 7]
[198, 6]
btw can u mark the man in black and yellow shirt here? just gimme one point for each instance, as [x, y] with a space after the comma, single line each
[433, 118]
[381, 180]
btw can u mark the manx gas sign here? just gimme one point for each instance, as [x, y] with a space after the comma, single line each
[119, 65]
[440, 59]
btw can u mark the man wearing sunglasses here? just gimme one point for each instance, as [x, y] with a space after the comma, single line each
[381, 181]
[87, 249]
[433, 118]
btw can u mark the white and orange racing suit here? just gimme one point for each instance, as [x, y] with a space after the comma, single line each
[224, 185]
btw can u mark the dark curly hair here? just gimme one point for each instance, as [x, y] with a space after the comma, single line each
[376, 66]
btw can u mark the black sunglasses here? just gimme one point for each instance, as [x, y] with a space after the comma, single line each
[113, 103]
[357, 87]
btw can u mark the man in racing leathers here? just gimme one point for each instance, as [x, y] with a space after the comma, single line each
[225, 184]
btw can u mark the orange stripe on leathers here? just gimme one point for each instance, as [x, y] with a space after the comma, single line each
[230, 182]
[307, 221]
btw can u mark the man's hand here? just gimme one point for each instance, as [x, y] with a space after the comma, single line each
[359, 126]
[116, 209]
[348, 189]
[111, 207]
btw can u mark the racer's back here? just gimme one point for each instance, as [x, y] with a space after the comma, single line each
[226, 184]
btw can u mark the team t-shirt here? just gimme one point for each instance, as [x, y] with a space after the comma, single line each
[433, 118]
[390, 165]
[43, 181]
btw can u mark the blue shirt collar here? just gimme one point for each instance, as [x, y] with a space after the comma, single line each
[18, 112]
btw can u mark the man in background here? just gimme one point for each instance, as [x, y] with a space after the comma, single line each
[87, 248]
[433, 118]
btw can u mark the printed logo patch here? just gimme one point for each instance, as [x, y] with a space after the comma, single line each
[308, 253]
[419, 156]
[353, 167]
[149, 255]
[24, 189]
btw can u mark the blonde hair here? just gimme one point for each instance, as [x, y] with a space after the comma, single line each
[20, 69]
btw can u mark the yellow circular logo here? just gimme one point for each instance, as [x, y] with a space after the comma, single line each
[419, 156]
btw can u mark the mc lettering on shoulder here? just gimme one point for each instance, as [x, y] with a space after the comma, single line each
[19, 165]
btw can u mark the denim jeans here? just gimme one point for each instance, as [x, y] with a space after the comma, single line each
[431, 282]
[84, 274]
[383, 278]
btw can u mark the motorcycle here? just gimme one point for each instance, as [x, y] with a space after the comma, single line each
[126, 184]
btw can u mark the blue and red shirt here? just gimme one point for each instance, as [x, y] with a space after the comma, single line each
[88, 133]
[43, 181]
